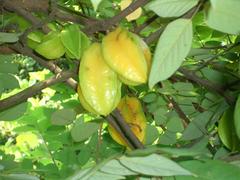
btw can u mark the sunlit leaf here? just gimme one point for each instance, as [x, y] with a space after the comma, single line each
[74, 41]
[173, 46]
[171, 8]
[224, 16]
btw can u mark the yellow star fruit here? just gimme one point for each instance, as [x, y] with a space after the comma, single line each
[99, 84]
[123, 53]
[132, 112]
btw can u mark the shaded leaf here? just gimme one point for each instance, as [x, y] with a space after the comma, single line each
[7, 65]
[8, 37]
[14, 112]
[82, 131]
[8, 82]
[153, 165]
[114, 167]
[211, 169]
[237, 117]
[151, 134]
[226, 131]
[63, 117]
[18, 177]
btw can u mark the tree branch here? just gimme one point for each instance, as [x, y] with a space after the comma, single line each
[145, 24]
[181, 114]
[113, 123]
[190, 75]
[47, 64]
[127, 130]
[33, 90]
[106, 24]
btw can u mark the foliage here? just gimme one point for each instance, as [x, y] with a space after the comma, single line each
[191, 101]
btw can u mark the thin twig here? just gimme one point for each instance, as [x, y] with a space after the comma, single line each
[106, 24]
[216, 56]
[190, 75]
[138, 29]
[47, 64]
[181, 114]
[33, 90]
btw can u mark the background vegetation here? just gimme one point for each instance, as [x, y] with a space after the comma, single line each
[191, 101]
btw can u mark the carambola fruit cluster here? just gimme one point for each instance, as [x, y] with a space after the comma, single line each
[122, 57]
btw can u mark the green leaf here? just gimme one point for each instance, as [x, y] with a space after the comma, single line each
[63, 117]
[226, 131]
[197, 127]
[74, 41]
[7, 65]
[150, 97]
[173, 46]
[175, 124]
[171, 8]
[168, 138]
[34, 39]
[8, 37]
[224, 16]
[114, 167]
[95, 3]
[84, 155]
[237, 117]
[153, 165]
[18, 177]
[14, 112]
[82, 131]
[211, 169]
[182, 152]
[151, 134]
[103, 176]
[51, 46]
[8, 82]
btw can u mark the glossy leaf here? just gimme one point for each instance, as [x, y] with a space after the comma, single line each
[226, 131]
[74, 41]
[237, 117]
[173, 46]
